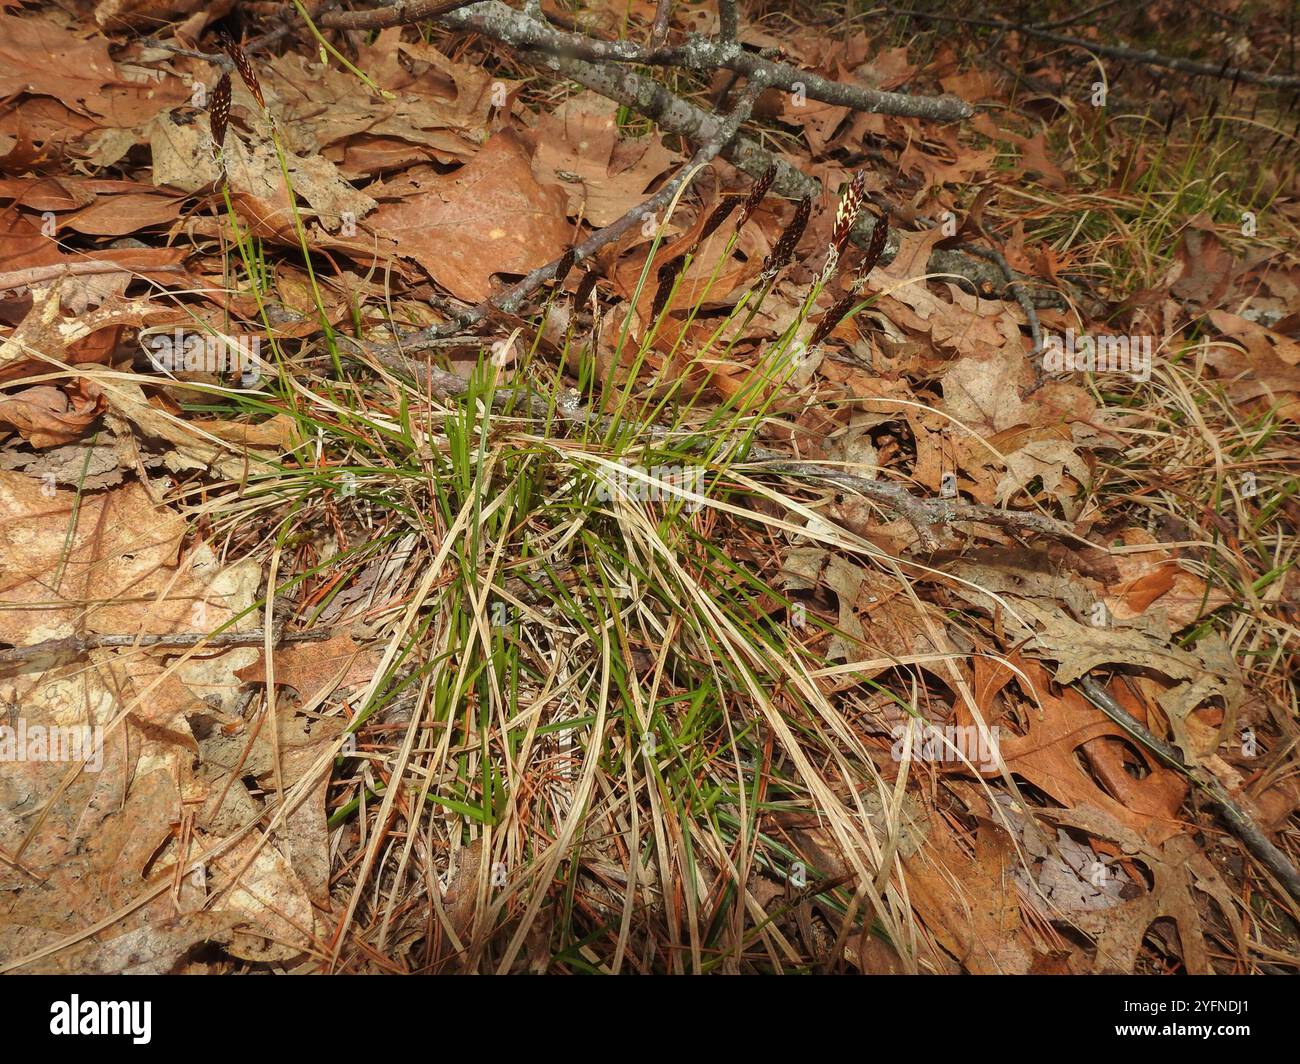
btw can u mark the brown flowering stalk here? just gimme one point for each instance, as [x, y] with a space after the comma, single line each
[783, 253]
[874, 250]
[245, 67]
[835, 314]
[756, 196]
[720, 214]
[667, 276]
[585, 287]
[563, 266]
[846, 217]
[219, 113]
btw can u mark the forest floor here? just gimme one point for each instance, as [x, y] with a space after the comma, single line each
[806, 488]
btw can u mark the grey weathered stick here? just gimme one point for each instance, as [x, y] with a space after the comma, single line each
[543, 46]
[41, 274]
[1147, 57]
[500, 22]
[674, 115]
[1233, 815]
[659, 32]
[76, 645]
[728, 20]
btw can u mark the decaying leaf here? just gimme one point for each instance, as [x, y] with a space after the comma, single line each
[489, 217]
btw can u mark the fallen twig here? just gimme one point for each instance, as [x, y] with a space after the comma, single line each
[500, 22]
[1233, 814]
[512, 297]
[39, 274]
[678, 116]
[675, 115]
[1114, 51]
[74, 646]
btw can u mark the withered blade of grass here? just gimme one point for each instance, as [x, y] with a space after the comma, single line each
[833, 316]
[667, 275]
[245, 67]
[585, 287]
[783, 253]
[720, 214]
[219, 112]
[756, 196]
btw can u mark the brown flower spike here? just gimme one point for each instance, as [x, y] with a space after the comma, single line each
[846, 217]
[585, 288]
[566, 263]
[719, 215]
[875, 249]
[756, 196]
[240, 58]
[667, 275]
[219, 112]
[784, 250]
[835, 314]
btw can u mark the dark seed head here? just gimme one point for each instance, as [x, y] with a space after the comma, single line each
[720, 214]
[565, 264]
[833, 316]
[877, 246]
[245, 67]
[219, 111]
[847, 215]
[784, 250]
[667, 276]
[756, 195]
[585, 287]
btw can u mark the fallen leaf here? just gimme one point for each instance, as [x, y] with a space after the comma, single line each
[315, 669]
[490, 216]
[37, 56]
[46, 416]
[115, 565]
[579, 151]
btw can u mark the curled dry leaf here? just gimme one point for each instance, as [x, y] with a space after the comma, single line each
[1179, 870]
[183, 158]
[1060, 728]
[1204, 674]
[45, 416]
[147, 14]
[47, 337]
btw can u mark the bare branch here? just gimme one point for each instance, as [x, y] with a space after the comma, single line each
[1120, 52]
[511, 298]
[659, 32]
[500, 22]
[675, 115]
[1233, 814]
[728, 20]
[74, 646]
